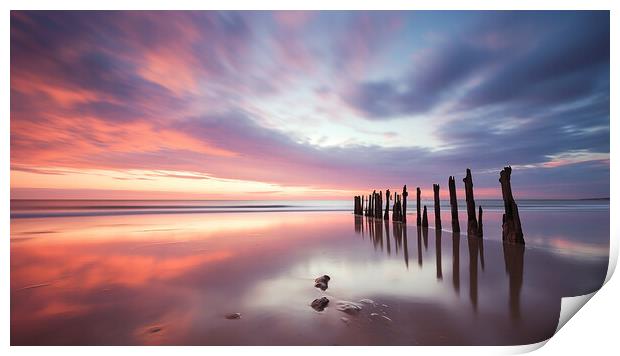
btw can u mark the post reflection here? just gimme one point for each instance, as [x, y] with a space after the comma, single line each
[387, 236]
[438, 254]
[405, 248]
[513, 256]
[474, 245]
[359, 225]
[398, 235]
[456, 272]
[418, 228]
[378, 228]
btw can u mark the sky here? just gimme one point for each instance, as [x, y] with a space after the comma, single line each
[307, 105]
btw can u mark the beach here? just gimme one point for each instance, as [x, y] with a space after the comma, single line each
[168, 273]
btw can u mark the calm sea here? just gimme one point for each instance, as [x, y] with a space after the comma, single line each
[66, 208]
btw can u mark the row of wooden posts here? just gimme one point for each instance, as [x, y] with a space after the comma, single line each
[372, 206]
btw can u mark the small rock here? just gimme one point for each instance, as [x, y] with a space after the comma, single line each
[367, 301]
[348, 307]
[377, 316]
[319, 304]
[321, 282]
[233, 316]
[154, 329]
[345, 320]
[385, 305]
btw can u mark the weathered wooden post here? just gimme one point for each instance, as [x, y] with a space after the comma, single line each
[472, 224]
[511, 223]
[454, 206]
[357, 210]
[386, 215]
[394, 211]
[360, 205]
[424, 218]
[373, 201]
[419, 217]
[364, 205]
[405, 194]
[397, 210]
[480, 221]
[437, 207]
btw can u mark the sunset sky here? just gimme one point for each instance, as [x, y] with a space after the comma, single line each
[278, 105]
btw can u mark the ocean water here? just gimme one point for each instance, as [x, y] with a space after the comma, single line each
[168, 272]
[60, 208]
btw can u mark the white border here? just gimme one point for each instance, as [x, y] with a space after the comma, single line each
[593, 329]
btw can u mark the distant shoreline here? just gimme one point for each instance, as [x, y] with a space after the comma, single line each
[446, 199]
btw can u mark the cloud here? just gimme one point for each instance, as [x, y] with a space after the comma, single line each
[514, 57]
[224, 95]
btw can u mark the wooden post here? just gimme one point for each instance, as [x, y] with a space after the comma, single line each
[472, 224]
[405, 194]
[386, 215]
[454, 206]
[372, 204]
[511, 223]
[424, 218]
[437, 207]
[399, 207]
[419, 217]
[396, 212]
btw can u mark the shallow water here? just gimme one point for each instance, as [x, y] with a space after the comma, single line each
[172, 278]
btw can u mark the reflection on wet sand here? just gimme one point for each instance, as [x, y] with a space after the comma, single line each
[438, 254]
[474, 243]
[513, 258]
[456, 273]
[172, 280]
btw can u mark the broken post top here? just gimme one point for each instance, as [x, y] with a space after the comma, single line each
[504, 179]
[467, 176]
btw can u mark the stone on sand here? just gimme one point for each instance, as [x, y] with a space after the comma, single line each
[348, 307]
[233, 316]
[321, 282]
[319, 304]
[367, 301]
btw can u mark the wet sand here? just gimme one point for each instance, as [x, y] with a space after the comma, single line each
[173, 279]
